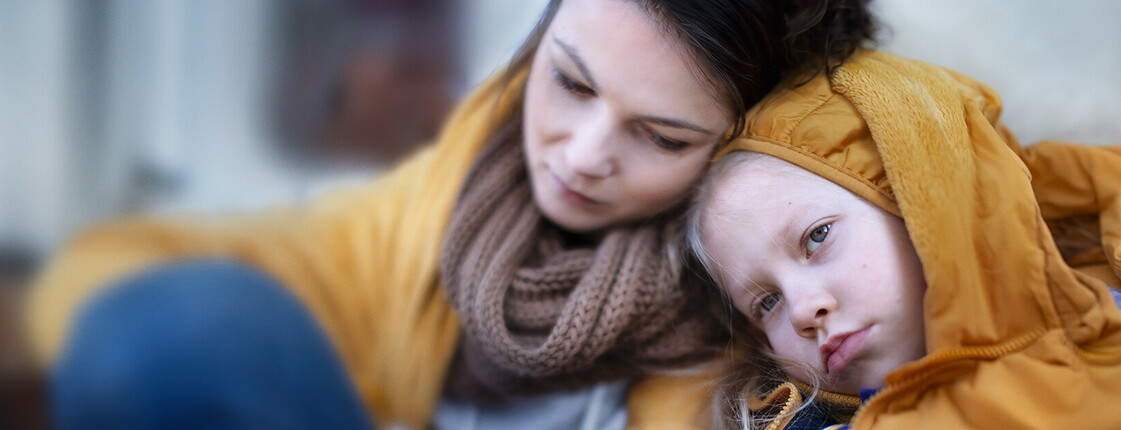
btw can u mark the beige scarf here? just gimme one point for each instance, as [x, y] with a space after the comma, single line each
[539, 314]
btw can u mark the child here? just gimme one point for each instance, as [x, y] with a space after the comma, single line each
[892, 255]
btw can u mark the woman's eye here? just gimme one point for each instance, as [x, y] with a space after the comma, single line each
[817, 237]
[667, 144]
[571, 85]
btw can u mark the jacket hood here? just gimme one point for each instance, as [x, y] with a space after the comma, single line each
[925, 143]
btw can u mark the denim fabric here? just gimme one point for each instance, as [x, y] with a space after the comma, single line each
[202, 344]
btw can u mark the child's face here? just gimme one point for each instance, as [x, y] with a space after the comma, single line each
[832, 279]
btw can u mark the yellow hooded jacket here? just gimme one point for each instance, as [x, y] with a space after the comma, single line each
[364, 261]
[1017, 336]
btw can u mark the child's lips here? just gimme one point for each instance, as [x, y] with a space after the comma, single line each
[839, 350]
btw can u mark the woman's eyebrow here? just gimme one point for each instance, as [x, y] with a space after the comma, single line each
[579, 61]
[675, 123]
[587, 75]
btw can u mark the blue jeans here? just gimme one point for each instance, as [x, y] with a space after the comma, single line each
[203, 344]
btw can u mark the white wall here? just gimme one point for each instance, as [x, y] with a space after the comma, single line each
[36, 163]
[496, 29]
[1057, 64]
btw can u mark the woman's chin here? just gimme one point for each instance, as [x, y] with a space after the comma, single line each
[574, 224]
[569, 219]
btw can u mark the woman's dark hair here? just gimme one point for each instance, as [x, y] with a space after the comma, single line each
[744, 47]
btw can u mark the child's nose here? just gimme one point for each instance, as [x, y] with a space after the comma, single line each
[809, 309]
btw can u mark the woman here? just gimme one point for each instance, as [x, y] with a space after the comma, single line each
[526, 252]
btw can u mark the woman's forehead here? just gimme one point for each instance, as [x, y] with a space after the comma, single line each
[636, 59]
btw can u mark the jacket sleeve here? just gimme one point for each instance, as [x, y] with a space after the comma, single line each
[364, 261]
[1079, 192]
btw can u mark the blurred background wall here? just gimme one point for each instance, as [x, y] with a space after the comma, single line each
[110, 107]
[120, 106]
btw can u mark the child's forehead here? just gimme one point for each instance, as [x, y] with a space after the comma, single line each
[761, 180]
[767, 201]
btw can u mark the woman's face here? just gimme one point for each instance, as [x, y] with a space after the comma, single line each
[618, 123]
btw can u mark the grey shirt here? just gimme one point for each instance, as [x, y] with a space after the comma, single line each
[600, 407]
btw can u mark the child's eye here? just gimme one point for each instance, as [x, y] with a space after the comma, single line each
[817, 237]
[766, 304]
[770, 301]
[571, 85]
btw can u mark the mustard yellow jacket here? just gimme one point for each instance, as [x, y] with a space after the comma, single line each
[1018, 245]
[363, 260]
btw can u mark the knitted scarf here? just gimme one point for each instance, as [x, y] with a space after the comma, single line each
[539, 314]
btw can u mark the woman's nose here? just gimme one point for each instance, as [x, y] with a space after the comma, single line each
[590, 152]
[809, 307]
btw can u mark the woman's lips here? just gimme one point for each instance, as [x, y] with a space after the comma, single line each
[840, 350]
[570, 195]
